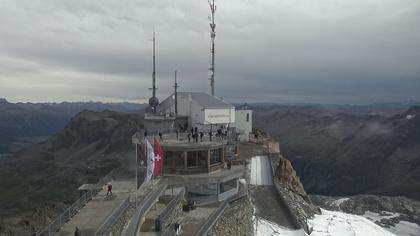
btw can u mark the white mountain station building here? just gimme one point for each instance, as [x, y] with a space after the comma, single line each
[201, 108]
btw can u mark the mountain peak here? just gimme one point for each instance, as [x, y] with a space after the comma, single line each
[414, 110]
[3, 101]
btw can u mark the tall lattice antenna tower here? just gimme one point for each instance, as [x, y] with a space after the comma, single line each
[154, 101]
[212, 50]
[176, 86]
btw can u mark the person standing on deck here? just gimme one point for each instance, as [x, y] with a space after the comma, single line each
[77, 232]
[109, 189]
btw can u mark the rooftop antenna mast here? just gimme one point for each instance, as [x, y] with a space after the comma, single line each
[154, 101]
[176, 86]
[213, 36]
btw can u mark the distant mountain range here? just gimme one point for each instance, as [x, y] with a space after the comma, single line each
[338, 153]
[39, 181]
[383, 109]
[334, 153]
[22, 124]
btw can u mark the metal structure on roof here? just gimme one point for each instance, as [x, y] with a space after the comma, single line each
[176, 86]
[207, 101]
[154, 101]
[203, 99]
[213, 36]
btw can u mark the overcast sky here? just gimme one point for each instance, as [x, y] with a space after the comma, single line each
[318, 51]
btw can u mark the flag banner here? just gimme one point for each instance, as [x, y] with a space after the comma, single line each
[150, 161]
[158, 152]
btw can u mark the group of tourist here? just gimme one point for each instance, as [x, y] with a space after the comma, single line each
[194, 134]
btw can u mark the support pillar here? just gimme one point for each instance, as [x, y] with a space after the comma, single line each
[185, 161]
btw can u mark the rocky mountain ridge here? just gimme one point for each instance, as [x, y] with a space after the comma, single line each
[335, 153]
[23, 124]
[42, 180]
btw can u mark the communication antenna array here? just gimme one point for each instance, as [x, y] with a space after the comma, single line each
[212, 50]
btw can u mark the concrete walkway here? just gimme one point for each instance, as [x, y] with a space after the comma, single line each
[96, 211]
[264, 196]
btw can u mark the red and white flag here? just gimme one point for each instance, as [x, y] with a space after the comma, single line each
[150, 161]
[158, 152]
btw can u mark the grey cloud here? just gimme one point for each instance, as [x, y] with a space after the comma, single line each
[329, 51]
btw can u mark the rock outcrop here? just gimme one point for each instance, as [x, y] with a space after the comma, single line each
[293, 194]
[288, 179]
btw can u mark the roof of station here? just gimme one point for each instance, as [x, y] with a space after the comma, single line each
[203, 99]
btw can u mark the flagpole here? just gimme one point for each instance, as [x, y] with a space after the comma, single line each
[137, 167]
[147, 157]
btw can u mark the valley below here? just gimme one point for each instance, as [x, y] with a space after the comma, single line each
[370, 161]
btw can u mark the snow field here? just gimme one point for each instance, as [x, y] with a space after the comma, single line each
[332, 223]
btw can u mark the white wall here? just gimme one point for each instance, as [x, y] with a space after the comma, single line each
[219, 116]
[242, 124]
[199, 115]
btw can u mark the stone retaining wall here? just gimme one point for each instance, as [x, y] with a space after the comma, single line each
[235, 220]
[118, 226]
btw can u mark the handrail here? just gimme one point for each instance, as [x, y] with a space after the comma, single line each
[205, 228]
[143, 208]
[112, 218]
[163, 215]
[67, 214]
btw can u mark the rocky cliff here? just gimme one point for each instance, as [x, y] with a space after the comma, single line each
[293, 194]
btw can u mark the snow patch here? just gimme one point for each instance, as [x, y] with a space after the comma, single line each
[409, 117]
[338, 202]
[405, 228]
[334, 223]
[264, 228]
[373, 216]
[402, 228]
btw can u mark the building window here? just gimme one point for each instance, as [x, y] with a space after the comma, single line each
[197, 158]
[202, 158]
[247, 117]
[167, 158]
[192, 159]
[215, 156]
[175, 159]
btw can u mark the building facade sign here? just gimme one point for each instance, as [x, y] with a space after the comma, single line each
[219, 116]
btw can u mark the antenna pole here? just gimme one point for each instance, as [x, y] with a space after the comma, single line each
[154, 65]
[176, 86]
[154, 101]
[213, 36]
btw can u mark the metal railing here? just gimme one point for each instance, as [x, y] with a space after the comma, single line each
[65, 216]
[206, 227]
[142, 209]
[165, 214]
[111, 219]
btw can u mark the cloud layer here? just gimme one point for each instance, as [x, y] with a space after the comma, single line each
[326, 51]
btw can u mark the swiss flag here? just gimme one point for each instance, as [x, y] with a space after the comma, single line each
[158, 157]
